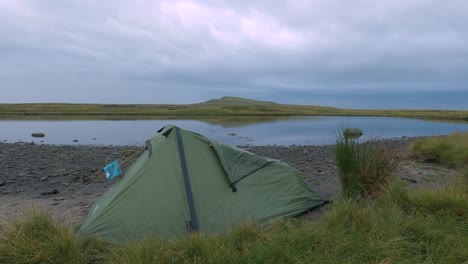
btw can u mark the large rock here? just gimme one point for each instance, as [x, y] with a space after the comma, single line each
[38, 134]
[352, 133]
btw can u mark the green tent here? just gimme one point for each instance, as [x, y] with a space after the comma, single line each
[185, 183]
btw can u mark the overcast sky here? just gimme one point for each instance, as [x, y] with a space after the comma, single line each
[141, 51]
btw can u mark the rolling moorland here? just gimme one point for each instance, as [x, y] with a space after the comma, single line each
[225, 106]
[393, 201]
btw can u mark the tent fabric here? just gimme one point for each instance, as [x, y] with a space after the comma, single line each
[151, 198]
[238, 163]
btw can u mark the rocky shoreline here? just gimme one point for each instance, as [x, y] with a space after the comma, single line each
[70, 178]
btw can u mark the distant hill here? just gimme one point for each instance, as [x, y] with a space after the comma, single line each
[225, 106]
[231, 100]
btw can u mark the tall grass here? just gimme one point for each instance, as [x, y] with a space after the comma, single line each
[365, 168]
[36, 238]
[451, 150]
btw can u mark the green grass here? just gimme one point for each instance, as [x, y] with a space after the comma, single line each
[400, 226]
[37, 238]
[226, 106]
[365, 168]
[451, 150]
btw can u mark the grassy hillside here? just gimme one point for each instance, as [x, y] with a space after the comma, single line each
[230, 100]
[225, 106]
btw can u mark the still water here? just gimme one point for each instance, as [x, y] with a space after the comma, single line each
[241, 131]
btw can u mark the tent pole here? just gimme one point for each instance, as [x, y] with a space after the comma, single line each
[192, 225]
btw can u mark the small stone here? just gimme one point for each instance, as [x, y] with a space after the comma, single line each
[59, 198]
[38, 134]
[75, 140]
[410, 180]
[54, 191]
[43, 178]
[232, 134]
[87, 193]
[2, 183]
[352, 133]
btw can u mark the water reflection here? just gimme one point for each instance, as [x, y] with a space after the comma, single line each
[240, 130]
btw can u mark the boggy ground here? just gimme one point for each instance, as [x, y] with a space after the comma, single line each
[66, 180]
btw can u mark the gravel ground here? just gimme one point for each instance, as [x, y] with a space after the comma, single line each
[66, 180]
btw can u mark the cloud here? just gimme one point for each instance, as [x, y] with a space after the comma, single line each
[203, 49]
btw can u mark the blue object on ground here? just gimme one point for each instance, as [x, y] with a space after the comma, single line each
[112, 170]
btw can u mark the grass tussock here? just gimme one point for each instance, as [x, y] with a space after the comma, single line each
[451, 150]
[36, 238]
[400, 226]
[365, 168]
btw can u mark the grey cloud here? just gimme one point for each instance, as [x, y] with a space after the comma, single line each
[138, 48]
